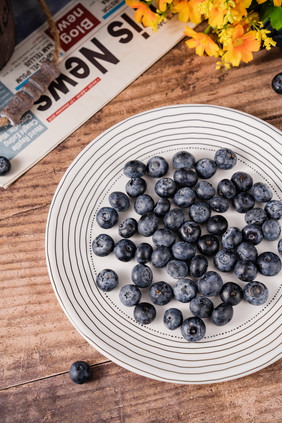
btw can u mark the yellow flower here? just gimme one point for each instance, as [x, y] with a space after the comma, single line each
[277, 3]
[144, 14]
[163, 4]
[202, 42]
[217, 13]
[195, 14]
[240, 9]
[182, 8]
[241, 46]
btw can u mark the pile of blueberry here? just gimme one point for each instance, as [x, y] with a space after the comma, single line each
[179, 245]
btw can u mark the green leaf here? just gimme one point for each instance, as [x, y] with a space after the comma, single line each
[266, 10]
[276, 18]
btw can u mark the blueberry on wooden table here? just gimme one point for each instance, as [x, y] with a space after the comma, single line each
[80, 372]
[185, 290]
[162, 207]
[219, 204]
[147, 224]
[107, 217]
[261, 192]
[127, 227]
[279, 246]
[157, 166]
[143, 252]
[226, 189]
[200, 212]
[134, 169]
[255, 216]
[198, 265]
[243, 202]
[183, 159]
[161, 293]
[130, 295]
[5, 166]
[193, 329]
[103, 245]
[210, 284]
[222, 314]
[271, 229]
[144, 313]
[164, 236]
[173, 318]
[135, 187]
[208, 245]
[256, 293]
[183, 250]
[204, 190]
[165, 187]
[119, 201]
[205, 168]
[142, 275]
[201, 306]
[231, 238]
[268, 263]
[242, 181]
[174, 219]
[160, 256]
[225, 260]
[277, 83]
[247, 251]
[231, 293]
[177, 268]
[184, 197]
[225, 158]
[252, 233]
[273, 209]
[144, 204]
[185, 177]
[107, 280]
[190, 231]
[245, 270]
[124, 250]
[217, 225]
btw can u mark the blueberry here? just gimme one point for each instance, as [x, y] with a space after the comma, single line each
[107, 280]
[193, 329]
[205, 168]
[141, 275]
[242, 181]
[201, 306]
[127, 227]
[183, 159]
[268, 264]
[134, 169]
[198, 265]
[252, 233]
[208, 245]
[160, 256]
[148, 224]
[135, 187]
[279, 246]
[222, 314]
[165, 187]
[226, 189]
[217, 225]
[225, 260]
[80, 372]
[157, 166]
[271, 229]
[190, 231]
[107, 217]
[174, 219]
[185, 177]
[164, 236]
[184, 197]
[183, 250]
[255, 216]
[177, 269]
[173, 318]
[144, 313]
[256, 293]
[204, 190]
[200, 212]
[119, 201]
[103, 245]
[277, 83]
[124, 250]
[210, 283]
[247, 251]
[130, 295]
[245, 270]
[219, 204]
[261, 192]
[231, 293]
[185, 290]
[243, 202]
[161, 293]
[144, 204]
[273, 209]
[225, 158]
[5, 165]
[231, 238]
[162, 207]
[143, 252]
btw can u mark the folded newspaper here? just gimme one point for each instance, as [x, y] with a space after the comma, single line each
[103, 50]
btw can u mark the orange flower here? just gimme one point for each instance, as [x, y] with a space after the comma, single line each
[163, 4]
[144, 14]
[217, 13]
[182, 8]
[195, 14]
[277, 3]
[202, 43]
[241, 46]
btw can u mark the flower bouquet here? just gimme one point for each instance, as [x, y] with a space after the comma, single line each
[235, 28]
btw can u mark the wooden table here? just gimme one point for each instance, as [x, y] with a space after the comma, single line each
[38, 343]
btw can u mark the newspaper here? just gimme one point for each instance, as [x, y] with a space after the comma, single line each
[103, 50]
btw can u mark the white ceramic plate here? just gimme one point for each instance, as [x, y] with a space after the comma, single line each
[251, 341]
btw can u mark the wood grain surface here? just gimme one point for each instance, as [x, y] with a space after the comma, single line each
[38, 343]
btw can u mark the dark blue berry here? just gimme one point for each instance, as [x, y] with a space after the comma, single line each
[141, 275]
[200, 212]
[165, 187]
[225, 158]
[225, 260]
[231, 238]
[144, 313]
[243, 202]
[134, 169]
[204, 190]
[177, 269]
[193, 329]
[277, 83]
[185, 177]
[252, 233]
[160, 256]
[226, 189]
[119, 201]
[174, 219]
[135, 187]
[217, 225]
[210, 283]
[173, 318]
[273, 209]
[247, 251]
[271, 229]
[268, 264]
[205, 168]
[162, 207]
[231, 293]
[242, 181]
[107, 217]
[279, 246]
[184, 197]
[222, 314]
[256, 293]
[5, 166]
[144, 204]
[208, 245]
[107, 280]
[80, 372]
[198, 265]
[143, 253]
[164, 236]
[103, 245]
[125, 250]
[130, 295]
[185, 290]
[127, 227]
[255, 216]
[190, 231]
[245, 270]
[161, 293]
[183, 250]
[148, 224]
[201, 306]
[157, 166]
[261, 192]
[219, 204]
[183, 159]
